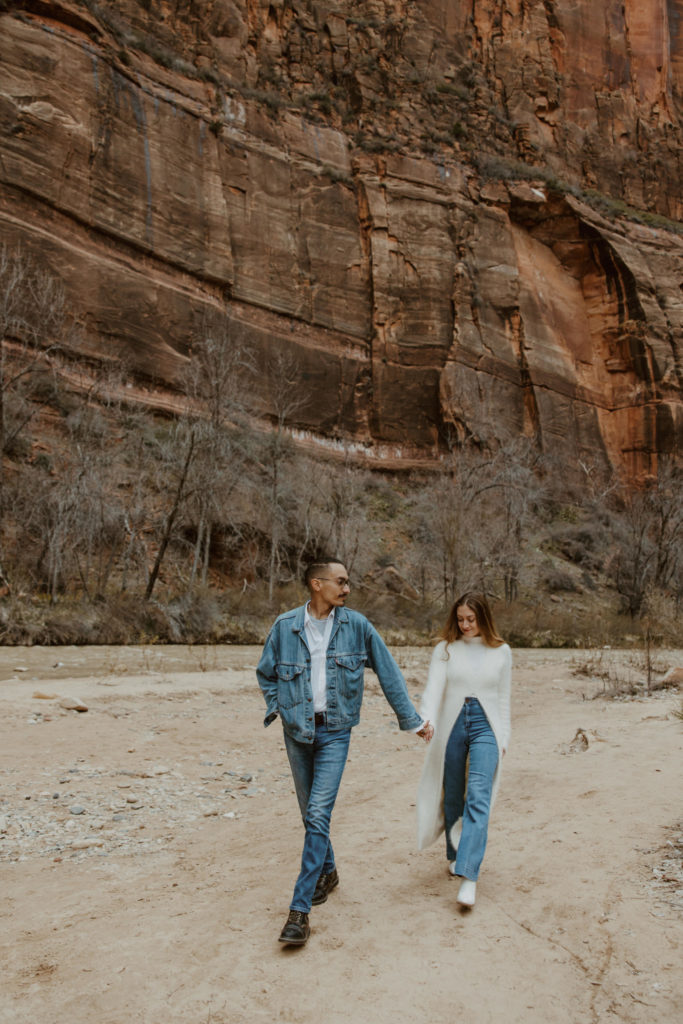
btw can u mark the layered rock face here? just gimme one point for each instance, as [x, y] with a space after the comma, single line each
[342, 183]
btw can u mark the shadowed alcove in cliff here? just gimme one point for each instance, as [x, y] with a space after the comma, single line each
[551, 340]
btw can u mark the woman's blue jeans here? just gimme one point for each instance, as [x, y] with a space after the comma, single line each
[317, 769]
[467, 789]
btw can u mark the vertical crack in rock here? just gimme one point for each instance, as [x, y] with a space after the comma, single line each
[305, 166]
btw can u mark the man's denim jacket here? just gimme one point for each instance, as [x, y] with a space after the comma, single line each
[284, 674]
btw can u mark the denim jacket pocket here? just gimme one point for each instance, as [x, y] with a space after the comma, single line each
[350, 669]
[290, 691]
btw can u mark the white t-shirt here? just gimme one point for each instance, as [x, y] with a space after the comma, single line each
[318, 632]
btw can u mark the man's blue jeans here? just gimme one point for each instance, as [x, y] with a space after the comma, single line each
[317, 769]
[467, 791]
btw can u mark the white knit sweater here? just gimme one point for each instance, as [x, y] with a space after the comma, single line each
[464, 668]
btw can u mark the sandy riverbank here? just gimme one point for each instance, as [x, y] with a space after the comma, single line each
[149, 847]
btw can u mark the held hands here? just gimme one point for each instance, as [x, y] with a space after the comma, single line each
[426, 732]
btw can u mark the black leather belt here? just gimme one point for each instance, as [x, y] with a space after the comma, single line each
[321, 718]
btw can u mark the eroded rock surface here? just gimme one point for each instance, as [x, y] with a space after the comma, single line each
[340, 179]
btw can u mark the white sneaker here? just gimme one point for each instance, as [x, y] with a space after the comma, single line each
[467, 893]
[451, 867]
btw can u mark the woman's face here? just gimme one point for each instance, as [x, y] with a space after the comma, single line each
[467, 621]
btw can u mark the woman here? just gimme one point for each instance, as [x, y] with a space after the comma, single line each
[467, 698]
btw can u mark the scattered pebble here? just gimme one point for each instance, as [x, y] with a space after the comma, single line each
[72, 704]
[102, 807]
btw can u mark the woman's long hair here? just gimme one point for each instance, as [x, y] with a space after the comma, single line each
[480, 606]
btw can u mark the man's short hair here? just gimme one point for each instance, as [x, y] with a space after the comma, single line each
[314, 569]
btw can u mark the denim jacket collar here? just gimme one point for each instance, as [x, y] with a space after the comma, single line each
[340, 615]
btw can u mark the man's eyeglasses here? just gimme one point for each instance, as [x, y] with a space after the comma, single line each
[341, 581]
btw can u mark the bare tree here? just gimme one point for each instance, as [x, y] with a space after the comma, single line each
[217, 386]
[176, 458]
[79, 515]
[205, 452]
[284, 382]
[98, 527]
[329, 513]
[31, 321]
[443, 520]
[509, 494]
[471, 525]
[667, 510]
[648, 539]
[62, 521]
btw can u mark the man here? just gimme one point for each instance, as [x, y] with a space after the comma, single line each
[311, 674]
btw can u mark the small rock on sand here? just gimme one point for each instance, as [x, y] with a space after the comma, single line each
[72, 704]
[674, 677]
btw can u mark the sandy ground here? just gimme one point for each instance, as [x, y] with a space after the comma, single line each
[149, 847]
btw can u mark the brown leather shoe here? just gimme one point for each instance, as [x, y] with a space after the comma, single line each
[324, 886]
[296, 930]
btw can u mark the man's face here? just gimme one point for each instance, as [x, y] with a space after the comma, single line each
[334, 586]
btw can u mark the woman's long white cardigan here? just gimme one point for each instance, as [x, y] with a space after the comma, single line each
[464, 668]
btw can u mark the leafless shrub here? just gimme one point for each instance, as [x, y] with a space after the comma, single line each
[601, 664]
[622, 674]
[125, 619]
[582, 544]
[471, 526]
[21, 622]
[69, 626]
[195, 617]
[31, 323]
[554, 580]
[648, 539]
[593, 664]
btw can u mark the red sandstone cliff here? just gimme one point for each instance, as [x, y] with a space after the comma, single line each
[344, 181]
